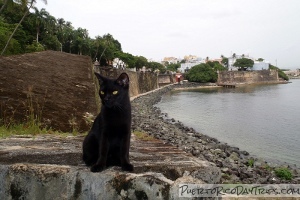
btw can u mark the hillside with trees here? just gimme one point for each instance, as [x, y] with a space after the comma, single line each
[25, 29]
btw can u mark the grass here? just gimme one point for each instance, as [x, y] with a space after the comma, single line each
[22, 129]
[284, 173]
[142, 136]
[32, 124]
[251, 162]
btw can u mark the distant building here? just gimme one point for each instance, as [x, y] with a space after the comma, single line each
[190, 61]
[184, 67]
[119, 64]
[171, 60]
[233, 58]
[293, 73]
[261, 65]
[219, 60]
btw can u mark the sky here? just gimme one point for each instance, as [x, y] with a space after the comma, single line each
[155, 29]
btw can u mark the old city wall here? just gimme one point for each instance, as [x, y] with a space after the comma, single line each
[51, 88]
[58, 90]
[247, 77]
[140, 82]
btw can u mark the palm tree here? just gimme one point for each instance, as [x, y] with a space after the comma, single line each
[207, 58]
[41, 17]
[65, 34]
[27, 5]
[97, 43]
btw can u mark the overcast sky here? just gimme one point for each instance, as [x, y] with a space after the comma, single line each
[155, 29]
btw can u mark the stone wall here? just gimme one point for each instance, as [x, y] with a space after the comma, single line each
[57, 90]
[53, 88]
[240, 77]
[140, 82]
[147, 81]
[165, 79]
[114, 73]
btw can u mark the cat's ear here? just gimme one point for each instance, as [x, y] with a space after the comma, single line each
[100, 78]
[123, 80]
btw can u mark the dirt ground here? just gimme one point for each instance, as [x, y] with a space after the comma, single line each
[54, 87]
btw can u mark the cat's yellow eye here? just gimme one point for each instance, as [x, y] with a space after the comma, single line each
[101, 92]
[115, 92]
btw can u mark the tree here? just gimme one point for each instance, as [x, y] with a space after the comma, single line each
[40, 20]
[14, 46]
[156, 66]
[233, 55]
[140, 62]
[80, 42]
[127, 58]
[225, 62]
[206, 59]
[218, 67]
[105, 48]
[173, 67]
[211, 64]
[202, 73]
[260, 59]
[6, 3]
[65, 34]
[27, 5]
[243, 64]
[35, 47]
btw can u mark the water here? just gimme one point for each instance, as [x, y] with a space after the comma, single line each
[263, 120]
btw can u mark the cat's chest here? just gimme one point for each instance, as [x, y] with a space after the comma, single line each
[116, 121]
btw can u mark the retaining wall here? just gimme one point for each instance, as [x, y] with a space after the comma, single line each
[249, 77]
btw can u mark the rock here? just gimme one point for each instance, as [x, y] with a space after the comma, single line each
[195, 152]
[234, 156]
[224, 170]
[216, 151]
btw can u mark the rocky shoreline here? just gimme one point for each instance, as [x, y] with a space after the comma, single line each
[237, 166]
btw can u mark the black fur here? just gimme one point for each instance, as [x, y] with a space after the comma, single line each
[108, 142]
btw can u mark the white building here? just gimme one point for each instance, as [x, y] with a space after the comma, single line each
[258, 65]
[119, 64]
[171, 60]
[188, 65]
[261, 65]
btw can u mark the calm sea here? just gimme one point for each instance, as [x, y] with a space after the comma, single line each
[263, 119]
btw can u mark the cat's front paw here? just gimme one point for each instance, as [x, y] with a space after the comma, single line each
[127, 167]
[97, 168]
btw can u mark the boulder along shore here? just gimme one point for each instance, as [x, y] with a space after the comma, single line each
[237, 166]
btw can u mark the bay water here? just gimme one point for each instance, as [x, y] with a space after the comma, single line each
[261, 119]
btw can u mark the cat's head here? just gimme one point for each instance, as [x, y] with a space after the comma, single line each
[113, 92]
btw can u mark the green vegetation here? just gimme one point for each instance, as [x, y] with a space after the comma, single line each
[172, 67]
[22, 31]
[32, 124]
[243, 64]
[156, 66]
[204, 73]
[224, 61]
[142, 136]
[281, 74]
[251, 162]
[283, 173]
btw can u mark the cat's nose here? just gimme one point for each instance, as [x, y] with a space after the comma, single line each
[106, 98]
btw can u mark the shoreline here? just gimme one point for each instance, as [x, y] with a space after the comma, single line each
[237, 166]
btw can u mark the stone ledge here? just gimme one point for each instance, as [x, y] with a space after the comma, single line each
[50, 167]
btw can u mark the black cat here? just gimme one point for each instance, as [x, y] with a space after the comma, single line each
[107, 143]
